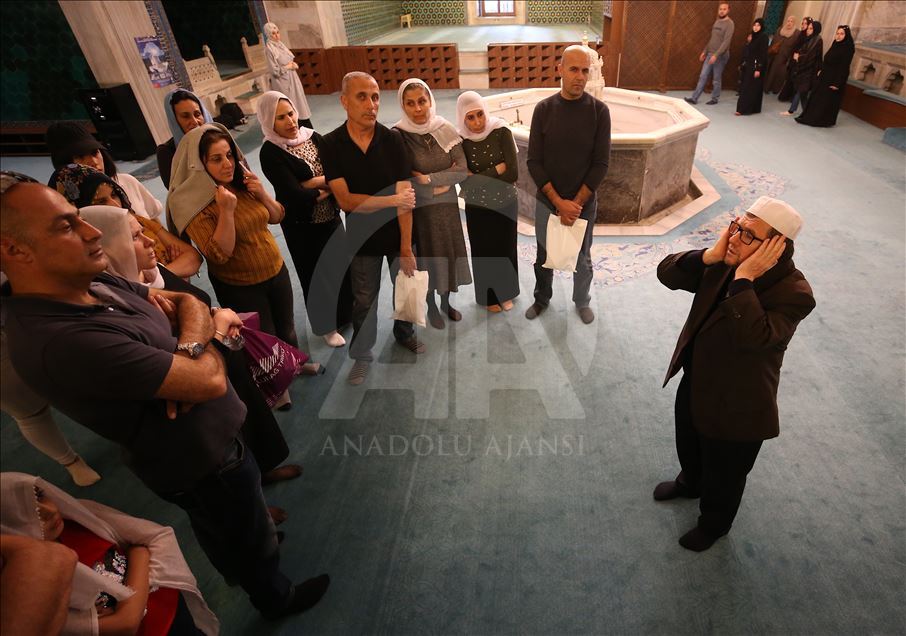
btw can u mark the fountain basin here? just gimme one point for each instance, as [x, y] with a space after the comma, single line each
[653, 140]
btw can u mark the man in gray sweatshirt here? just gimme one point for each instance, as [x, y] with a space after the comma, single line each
[715, 55]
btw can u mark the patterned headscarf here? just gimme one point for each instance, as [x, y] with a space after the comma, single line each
[79, 183]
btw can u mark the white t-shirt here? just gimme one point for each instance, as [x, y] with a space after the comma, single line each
[143, 202]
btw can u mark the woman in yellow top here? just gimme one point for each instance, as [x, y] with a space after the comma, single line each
[225, 210]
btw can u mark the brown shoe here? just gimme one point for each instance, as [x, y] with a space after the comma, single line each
[535, 310]
[358, 372]
[587, 315]
[667, 490]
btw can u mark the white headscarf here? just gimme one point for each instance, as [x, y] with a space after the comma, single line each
[168, 568]
[444, 132]
[116, 239]
[788, 29]
[467, 102]
[276, 45]
[267, 111]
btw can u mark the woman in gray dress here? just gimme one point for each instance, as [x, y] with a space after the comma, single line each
[438, 164]
[284, 78]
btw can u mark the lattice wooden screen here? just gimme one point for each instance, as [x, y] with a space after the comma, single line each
[535, 65]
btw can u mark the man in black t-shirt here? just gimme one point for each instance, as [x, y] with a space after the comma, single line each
[367, 169]
[102, 350]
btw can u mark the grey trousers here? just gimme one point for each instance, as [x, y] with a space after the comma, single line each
[544, 278]
[365, 276]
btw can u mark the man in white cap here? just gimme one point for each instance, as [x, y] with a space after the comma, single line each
[749, 298]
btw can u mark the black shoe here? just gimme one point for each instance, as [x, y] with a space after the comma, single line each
[305, 595]
[667, 490]
[711, 102]
[691, 101]
[586, 314]
[698, 540]
[535, 310]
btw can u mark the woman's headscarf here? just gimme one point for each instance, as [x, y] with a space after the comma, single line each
[467, 102]
[79, 183]
[191, 187]
[812, 41]
[175, 128]
[786, 31]
[276, 46]
[167, 568]
[803, 34]
[760, 33]
[116, 239]
[267, 111]
[843, 50]
[444, 133]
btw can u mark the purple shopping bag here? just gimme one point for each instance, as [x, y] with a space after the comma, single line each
[272, 362]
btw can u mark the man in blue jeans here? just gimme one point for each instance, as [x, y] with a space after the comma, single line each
[715, 55]
[568, 155]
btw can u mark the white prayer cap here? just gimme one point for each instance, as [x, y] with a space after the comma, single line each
[780, 215]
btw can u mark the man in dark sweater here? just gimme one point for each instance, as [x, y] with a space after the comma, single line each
[715, 55]
[568, 154]
[749, 299]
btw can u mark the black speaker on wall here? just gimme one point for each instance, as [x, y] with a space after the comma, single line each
[118, 119]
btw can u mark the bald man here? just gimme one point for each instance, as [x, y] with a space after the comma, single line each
[102, 350]
[568, 155]
[367, 169]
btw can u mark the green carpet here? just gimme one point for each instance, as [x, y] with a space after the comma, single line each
[456, 499]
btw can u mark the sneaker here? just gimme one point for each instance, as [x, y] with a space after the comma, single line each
[711, 102]
[586, 314]
[358, 372]
[691, 101]
[535, 310]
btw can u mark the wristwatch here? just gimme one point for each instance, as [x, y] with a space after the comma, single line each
[194, 349]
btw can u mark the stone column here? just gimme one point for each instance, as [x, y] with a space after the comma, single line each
[106, 33]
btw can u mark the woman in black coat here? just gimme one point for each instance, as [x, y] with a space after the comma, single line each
[825, 101]
[806, 66]
[754, 62]
[290, 159]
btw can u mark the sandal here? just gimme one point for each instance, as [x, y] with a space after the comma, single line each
[281, 473]
[413, 344]
[495, 309]
[507, 305]
[278, 515]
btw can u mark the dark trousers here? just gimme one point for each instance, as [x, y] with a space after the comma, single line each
[320, 257]
[230, 520]
[544, 278]
[492, 236]
[272, 299]
[716, 469]
[365, 274]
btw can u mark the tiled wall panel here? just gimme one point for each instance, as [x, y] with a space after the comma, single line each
[558, 11]
[436, 12]
[42, 64]
[368, 19]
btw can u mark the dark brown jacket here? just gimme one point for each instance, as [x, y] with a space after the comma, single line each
[737, 349]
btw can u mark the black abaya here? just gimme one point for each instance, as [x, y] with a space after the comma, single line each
[824, 104]
[754, 60]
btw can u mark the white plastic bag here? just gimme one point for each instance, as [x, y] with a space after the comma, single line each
[409, 297]
[564, 243]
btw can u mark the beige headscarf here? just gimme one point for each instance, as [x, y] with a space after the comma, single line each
[116, 239]
[168, 568]
[789, 26]
[444, 132]
[191, 187]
